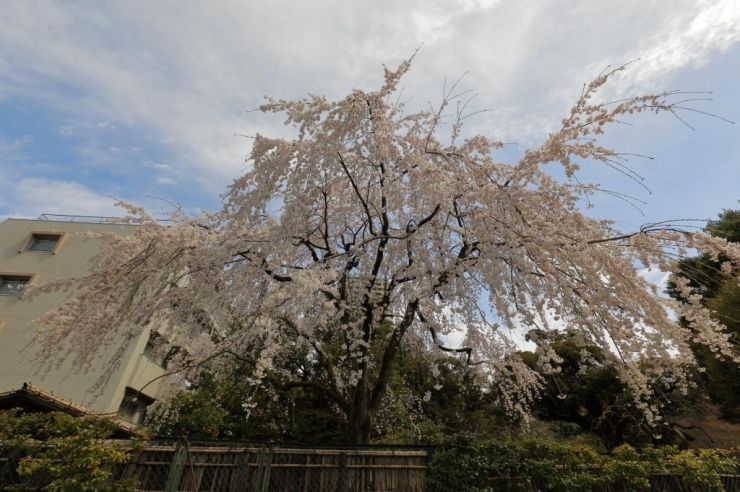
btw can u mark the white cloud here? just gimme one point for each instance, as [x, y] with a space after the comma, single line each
[157, 165]
[188, 74]
[688, 40]
[181, 79]
[31, 197]
[10, 149]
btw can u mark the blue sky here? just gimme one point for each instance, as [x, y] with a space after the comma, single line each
[142, 100]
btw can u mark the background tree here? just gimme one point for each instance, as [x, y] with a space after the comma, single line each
[721, 294]
[374, 212]
[704, 272]
[454, 397]
[721, 376]
[590, 395]
[215, 409]
[428, 398]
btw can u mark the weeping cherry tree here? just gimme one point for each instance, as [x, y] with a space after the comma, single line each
[376, 225]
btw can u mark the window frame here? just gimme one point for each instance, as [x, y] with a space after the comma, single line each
[29, 277]
[61, 238]
[134, 404]
[152, 350]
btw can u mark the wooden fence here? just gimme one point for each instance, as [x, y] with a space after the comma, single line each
[220, 467]
[170, 467]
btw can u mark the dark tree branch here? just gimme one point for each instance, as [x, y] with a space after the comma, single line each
[357, 192]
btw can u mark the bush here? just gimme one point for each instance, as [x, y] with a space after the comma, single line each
[465, 462]
[61, 453]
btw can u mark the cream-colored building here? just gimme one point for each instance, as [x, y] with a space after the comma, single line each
[33, 251]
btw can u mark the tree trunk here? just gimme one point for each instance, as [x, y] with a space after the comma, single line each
[360, 419]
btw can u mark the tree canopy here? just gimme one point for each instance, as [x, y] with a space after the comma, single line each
[375, 224]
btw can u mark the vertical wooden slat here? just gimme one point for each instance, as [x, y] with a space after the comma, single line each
[176, 469]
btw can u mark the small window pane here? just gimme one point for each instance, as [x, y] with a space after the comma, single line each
[152, 350]
[39, 243]
[12, 286]
[149, 350]
[133, 407]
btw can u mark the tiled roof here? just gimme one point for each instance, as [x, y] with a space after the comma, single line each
[32, 399]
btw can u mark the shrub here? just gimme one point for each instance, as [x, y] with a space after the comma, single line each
[63, 453]
[465, 462]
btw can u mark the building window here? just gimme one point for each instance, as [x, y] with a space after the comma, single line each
[43, 242]
[150, 349]
[13, 285]
[133, 406]
[153, 348]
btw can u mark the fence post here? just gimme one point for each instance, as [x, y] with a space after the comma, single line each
[260, 468]
[341, 478]
[177, 467]
[266, 470]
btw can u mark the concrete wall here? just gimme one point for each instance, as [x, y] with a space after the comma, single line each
[69, 260]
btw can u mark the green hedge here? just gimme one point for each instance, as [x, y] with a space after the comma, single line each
[60, 453]
[466, 463]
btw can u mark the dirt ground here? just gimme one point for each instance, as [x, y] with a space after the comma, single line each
[707, 430]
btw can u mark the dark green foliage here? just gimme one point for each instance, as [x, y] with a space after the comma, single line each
[457, 400]
[214, 410]
[703, 273]
[726, 226]
[721, 377]
[466, 462]
[418, 408]
[590, 395]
